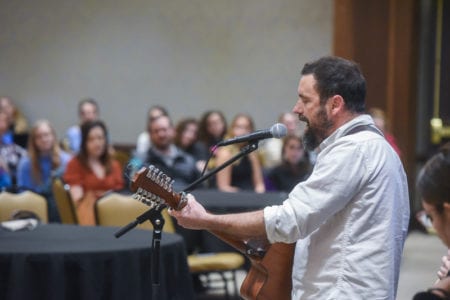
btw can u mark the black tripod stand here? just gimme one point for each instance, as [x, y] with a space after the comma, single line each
[155, 217]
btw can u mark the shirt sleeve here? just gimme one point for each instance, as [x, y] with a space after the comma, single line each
[337, 177]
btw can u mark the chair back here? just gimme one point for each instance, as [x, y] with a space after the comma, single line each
[122, 157]
[27, 200]
[117, 209]
[64, 203]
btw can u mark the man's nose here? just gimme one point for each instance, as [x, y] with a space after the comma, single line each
[298, 108]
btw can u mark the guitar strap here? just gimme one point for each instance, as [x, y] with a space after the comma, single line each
[364, 128]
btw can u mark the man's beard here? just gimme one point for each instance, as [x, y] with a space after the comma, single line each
[315, 134]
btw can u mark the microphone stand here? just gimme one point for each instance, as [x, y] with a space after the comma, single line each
[154, 216]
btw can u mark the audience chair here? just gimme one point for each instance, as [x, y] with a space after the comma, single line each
[64, 203]
[117, 209]
[122, 157]
[26, 201]
[223, 264]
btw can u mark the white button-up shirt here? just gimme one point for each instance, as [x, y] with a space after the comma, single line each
[349, 219]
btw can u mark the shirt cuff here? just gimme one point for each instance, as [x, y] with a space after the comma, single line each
[270, 221]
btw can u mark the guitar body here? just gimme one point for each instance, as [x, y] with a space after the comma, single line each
[271, 277]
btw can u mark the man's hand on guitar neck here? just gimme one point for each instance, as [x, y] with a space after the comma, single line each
[192, 216]
[243, 226]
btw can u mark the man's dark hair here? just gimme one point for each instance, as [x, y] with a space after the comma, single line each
[338, 76]
[153, 120]
[85, 101]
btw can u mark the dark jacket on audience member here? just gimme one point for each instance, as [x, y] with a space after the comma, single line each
[180, 166]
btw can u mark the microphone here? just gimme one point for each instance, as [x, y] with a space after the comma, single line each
[277, 130]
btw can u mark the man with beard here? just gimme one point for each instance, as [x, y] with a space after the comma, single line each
[167, 157]
[349, 219]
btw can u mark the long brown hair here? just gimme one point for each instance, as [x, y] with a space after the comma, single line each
[83, 155]
[34, 153]
[203, 134]
[181, 128]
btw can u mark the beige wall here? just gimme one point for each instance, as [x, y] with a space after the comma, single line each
[190, 56]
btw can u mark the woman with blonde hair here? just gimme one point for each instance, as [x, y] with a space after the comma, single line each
[245, 173]
[45, 161]
[17, 123]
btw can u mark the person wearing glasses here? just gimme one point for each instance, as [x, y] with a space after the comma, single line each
[433, 186]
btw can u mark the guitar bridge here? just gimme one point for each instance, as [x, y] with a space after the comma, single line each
[257, 252]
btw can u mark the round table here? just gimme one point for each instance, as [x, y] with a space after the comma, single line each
[81, 262]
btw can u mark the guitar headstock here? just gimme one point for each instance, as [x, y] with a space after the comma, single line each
[152, 187]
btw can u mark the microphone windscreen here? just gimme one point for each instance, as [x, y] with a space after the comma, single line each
[278, 130]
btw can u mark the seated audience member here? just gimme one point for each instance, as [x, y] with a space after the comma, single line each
[434, 189]
[380, 120]
[44, 162]
[175, 163]
[92, 172]
[245, 173]
[271, 148]
[212, 128]
[186, 138]
[143, 142]
[88, 110]
[10, 155]
[294, 168]
[166, 156]
[17, 123]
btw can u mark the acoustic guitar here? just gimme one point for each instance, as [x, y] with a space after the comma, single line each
[270, 273]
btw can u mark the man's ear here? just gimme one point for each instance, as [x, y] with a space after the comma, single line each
[337, 104]
[447, 207]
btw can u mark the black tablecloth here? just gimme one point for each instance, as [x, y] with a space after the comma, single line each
[222, 202]
[78, 262]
